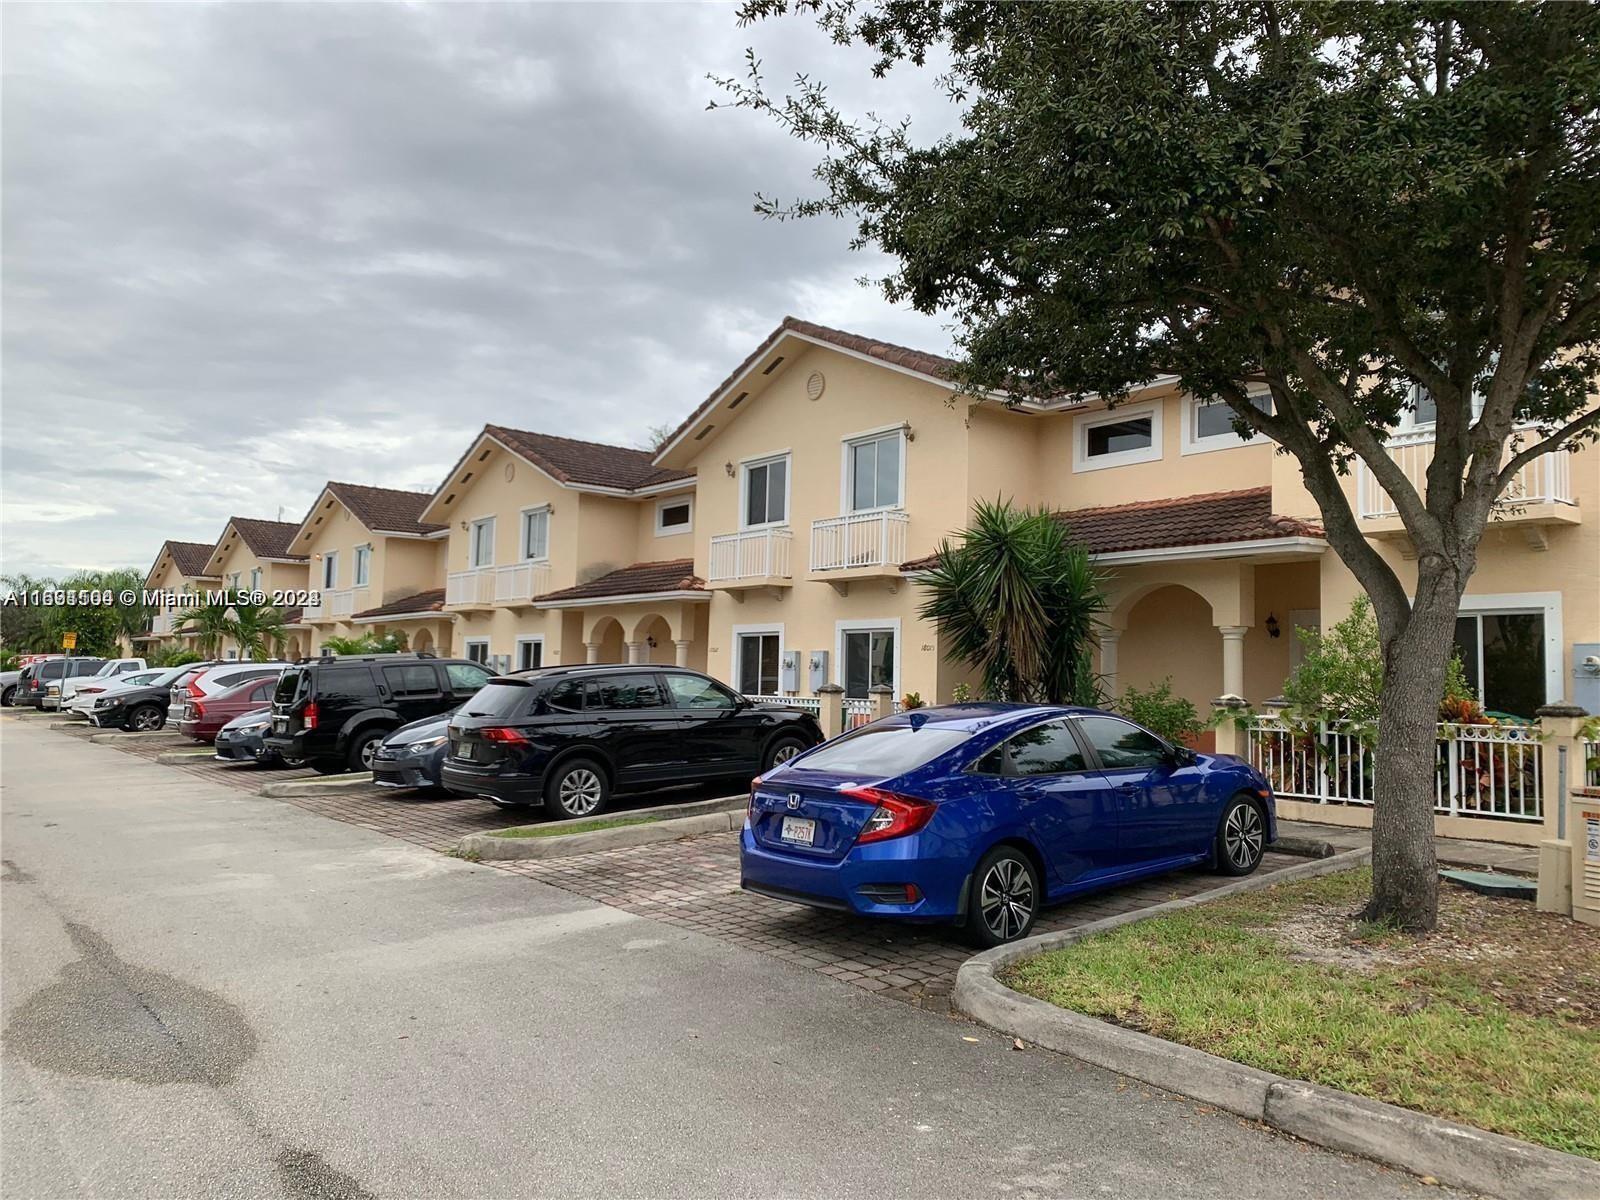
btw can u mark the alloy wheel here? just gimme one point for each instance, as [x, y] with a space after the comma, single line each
[146, 719]
[369, 752]
[1242, 836]
[579, 793]
[1006, 899]
[784, 753]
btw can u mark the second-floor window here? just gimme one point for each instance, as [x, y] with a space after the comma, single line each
[766, 491]
[872, 471]
[233, 582]
[536, 535]
[330, 569]
[480, 553]
[1118, 437]
[674, 516]
[255, 579]
[363, 565]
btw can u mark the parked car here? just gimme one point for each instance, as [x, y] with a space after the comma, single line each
[37, 679]
[333, 712]
[567, 737]
[81, 703]
[981, 814]
[413, 755]
[137, 709]
[203, 717]
[208, 678]
[243, 740]
[112, 668]
[8, 686]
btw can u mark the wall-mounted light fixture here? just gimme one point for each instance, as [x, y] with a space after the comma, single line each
[650, 641]
[1272, 625]
[728, 467]
[911, 434]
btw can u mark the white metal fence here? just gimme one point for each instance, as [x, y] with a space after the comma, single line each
[856, 711]
[863, 539]
[1479, 770]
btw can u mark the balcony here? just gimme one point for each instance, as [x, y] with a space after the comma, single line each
[751, 558]
[1540, 495]
[861, 545]
[338, 604]
[485, 587]
[470, 589]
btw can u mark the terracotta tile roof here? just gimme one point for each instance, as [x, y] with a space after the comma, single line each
[267, 539]
[189, 557]
[383, 510]
[1201, 520]
[294, 616]
[418, 602]
[645, 578]
[594, 463]
[887, 352]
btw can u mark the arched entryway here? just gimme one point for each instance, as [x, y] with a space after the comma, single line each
[652, 640]
[423, 642]
[1168, 634]
[605, 643]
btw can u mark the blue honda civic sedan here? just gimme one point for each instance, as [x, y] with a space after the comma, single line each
[981, 814]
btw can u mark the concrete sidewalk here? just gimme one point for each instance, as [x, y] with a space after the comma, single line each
[1456, 852]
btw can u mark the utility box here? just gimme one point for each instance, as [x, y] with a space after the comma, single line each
[789, 672]
[1583, 831]
[1585, 689]
[817, 670]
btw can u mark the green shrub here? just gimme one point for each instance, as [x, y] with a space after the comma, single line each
[1158, 710]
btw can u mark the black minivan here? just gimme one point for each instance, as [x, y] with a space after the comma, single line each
[334, 711]
[565, 737]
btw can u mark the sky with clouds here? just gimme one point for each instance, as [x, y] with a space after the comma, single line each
[249, 248]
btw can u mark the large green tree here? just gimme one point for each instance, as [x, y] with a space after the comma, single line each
[1351, 204]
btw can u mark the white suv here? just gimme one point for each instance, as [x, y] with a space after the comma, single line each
[60, 696]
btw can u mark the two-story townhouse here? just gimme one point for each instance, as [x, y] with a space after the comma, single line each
[374, 565]
[564, 551]
[180, 567]
[253, 556]
[830, 466]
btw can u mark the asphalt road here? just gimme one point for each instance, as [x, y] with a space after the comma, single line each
[207, 993]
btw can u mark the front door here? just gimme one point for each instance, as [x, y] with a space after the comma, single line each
[1161, 805]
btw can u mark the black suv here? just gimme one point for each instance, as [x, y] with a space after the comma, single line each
[34, 683]
[566, 736]
[334, 711]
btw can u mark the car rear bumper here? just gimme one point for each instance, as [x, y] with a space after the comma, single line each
[839, 884]
[197, 731]
[502, 789]
[292, 746]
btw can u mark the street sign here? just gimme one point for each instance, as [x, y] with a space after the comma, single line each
[69, 640]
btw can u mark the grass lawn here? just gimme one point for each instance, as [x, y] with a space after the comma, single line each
[562, 828]
[1493, 1020]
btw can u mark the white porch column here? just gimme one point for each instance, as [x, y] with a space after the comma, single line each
[681, 651]
[1108, 658]
[1232, 659]
[591, 652]
[636, 652]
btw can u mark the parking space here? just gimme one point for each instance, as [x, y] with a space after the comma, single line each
[693, 883]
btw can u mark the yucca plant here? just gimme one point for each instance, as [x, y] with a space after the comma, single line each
[1019, 602]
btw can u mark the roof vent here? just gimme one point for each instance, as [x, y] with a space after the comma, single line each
[814, 385]
[737, 400]
[450, 497]
[701, 436]
[774, 365]
[486, 454]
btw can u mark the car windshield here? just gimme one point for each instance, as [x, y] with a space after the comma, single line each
[883, 751]
[503, 700]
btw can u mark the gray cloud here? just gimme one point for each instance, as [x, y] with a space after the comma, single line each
[253, 247]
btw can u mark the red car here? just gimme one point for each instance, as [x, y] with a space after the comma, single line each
[203, 716]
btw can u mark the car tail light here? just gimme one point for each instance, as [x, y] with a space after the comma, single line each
[750, 809]
[895, 815]
[195, 689]
[199, 709]
[308, 715]
[89, 691]
[503, 735]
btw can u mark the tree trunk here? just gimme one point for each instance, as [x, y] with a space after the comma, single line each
[1405, 868]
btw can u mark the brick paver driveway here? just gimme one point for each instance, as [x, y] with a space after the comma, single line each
[694, 883]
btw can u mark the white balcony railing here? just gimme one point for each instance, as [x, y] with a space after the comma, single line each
[342, 602]
[162, 623]
[470, 587]
[864, 539]
[1545, 480]
[521, 581]
[751, 554]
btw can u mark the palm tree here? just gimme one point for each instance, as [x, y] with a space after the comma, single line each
[258, 629]
[210, 623]
[1019, 602]
[348, 645]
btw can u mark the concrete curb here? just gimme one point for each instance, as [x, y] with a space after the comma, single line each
[156, 737]
[1302, 847]
[705, 816]
[318, 787]
[198, 754]
[1454, 1154]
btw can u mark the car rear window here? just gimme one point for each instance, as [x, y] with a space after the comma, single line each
[883, 751]
[289, 685]
[502, 701]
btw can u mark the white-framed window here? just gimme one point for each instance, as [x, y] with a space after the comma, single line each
[1128, 434]
[536, 534]
[868, 655]
[530, 653]
[674, 515]
[1422, 411]
[363, 565]
[764, 491]
[874, 471]
[255, 579]
[480, 545]
[1208, 426]
[330, 569]
[757, 659]
[477, 650]
[1511, 648]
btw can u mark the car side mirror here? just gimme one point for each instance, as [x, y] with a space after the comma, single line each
[1181, 756]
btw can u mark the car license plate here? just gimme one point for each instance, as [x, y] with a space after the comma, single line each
[280, 724]
[798, 830]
